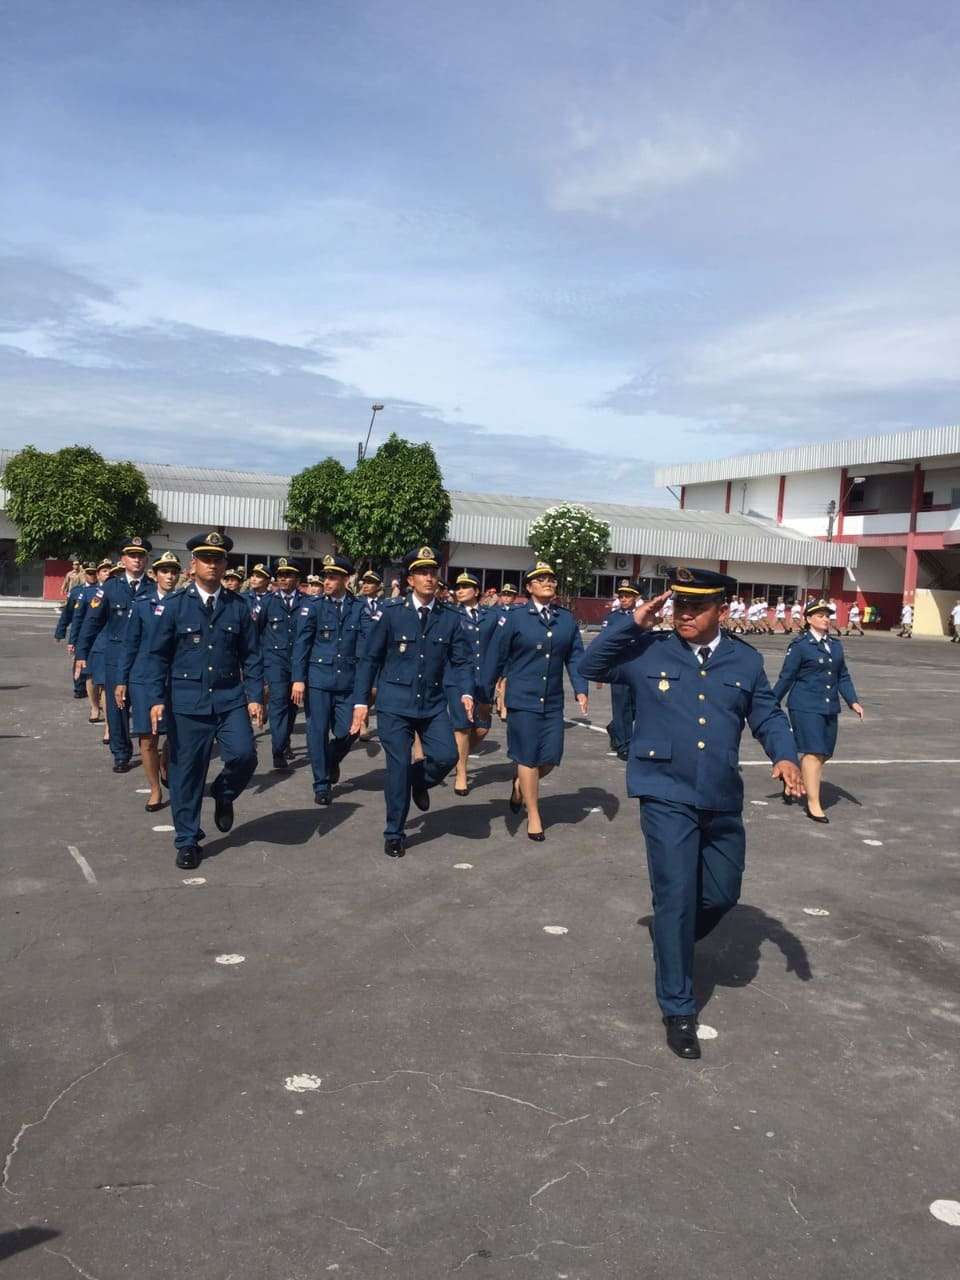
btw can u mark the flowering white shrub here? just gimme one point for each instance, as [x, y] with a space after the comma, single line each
[572, 539]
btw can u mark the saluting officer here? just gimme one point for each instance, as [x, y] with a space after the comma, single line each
[408, 648]
[134, 672]
[815, 677]
[530, 650]
[204, 659]
[622, 702]
[64, 619]
[276, 621]
[109, 610]
[695, 688]
[479, 624]
[328, 643]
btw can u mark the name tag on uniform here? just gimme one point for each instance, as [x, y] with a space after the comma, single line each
[158, 609]
[196, 639]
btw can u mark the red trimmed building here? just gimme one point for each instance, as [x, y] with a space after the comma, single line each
[895, 497]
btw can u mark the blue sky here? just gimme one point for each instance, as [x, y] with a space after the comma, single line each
[563, 242]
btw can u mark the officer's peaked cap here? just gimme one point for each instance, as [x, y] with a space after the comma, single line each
[704, 584]
[540, 570]
[467, 580]
[816, 606]
[283, 565]
[422, 557]
[214, 542]
[167, 561]
[135, 546]
[338, 564]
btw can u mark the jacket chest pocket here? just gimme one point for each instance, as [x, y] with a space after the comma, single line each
[735, 693]
[662, 681]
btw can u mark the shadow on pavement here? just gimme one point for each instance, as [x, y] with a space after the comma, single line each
[731, 955]
[285, 827]
[16, 1241]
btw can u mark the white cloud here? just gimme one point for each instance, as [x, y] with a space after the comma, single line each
[605, 174]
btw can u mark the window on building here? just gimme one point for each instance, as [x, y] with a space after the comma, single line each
[652, 587]
[856, 495]
[927, 499]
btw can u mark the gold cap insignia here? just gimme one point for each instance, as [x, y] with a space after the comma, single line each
[683, 574]
[328, 560]
[282, 563]
[136, 542]
[215, 539]
[425, 553]
[624, 585]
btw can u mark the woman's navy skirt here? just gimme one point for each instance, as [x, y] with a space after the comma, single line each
[815, 734]
[139, 698]
[534, 739]
[97, 667]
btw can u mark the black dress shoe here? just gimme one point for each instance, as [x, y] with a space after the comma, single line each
[188, 858]
[682, 1035]
[623, 754]
[395, 847]
[322, 797]
[334, 774]
[539, 836]
[461, 791]
[420, 796]
[279, 760]
[815, 817]
[223, 813]
[515, 804]
[154, 808]
[122, 766]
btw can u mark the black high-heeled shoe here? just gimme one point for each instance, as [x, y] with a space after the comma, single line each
[821, 818]
[461, 791]
[154, 808]
[515, 805]
[539, 836]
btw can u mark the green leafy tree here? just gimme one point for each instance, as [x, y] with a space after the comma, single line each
[75, 501]
[318, 497]
[573, 540]
[377, 511]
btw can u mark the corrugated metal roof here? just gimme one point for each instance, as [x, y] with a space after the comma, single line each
[257, 500]
[504, 520]
[897, 446]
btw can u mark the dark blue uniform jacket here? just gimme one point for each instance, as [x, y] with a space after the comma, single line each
[406, 667]
[135, 663]
[277, 627]
[329, 642]
[533, 655]
[689, 718]
[815, 679]
[109, 610]
[66, 613]
[88, 590]
[211, 666]
[478, 635]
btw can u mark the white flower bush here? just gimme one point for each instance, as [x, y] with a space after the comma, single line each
[572, 539]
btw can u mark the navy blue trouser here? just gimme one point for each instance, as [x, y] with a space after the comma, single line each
[396, 738]
[121, 745]
[191, 740]
[623, 706]
[695, 858]
[282, 712]
[328, 731]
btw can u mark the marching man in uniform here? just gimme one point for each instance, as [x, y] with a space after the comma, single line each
[204, 658]
[695, 687]
[410, 643]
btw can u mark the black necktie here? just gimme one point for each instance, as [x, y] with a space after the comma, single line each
[473, 614]
[209, 606]
[704, 652]
[424, 613]
[547, 616]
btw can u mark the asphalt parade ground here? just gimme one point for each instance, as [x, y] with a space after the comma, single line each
[307, 1060]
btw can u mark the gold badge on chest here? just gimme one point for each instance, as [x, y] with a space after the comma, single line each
[664, 685]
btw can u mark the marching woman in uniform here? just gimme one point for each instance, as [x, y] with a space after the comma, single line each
[815, 676]
[134, 672]
[479, 624]
[531, 647]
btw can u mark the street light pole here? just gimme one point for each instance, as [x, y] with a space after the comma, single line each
[362, 450]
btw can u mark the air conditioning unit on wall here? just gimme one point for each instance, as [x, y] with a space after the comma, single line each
[300, 542]
[621, 562]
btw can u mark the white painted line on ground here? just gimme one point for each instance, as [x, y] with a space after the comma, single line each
[163, 827]
[195, 880]
[766, 763]
[230, 958]
[555, 928]
[874, 844]
[143, 791]
[582, 724]
[947, 1211]
[82, 863]
[463, 866]
[706, 1033]
[815, 911]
